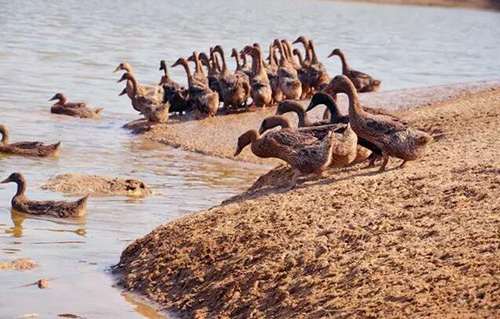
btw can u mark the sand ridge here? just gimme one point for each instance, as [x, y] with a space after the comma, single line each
[423, 241]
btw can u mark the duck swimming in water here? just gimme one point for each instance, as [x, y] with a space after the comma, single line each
[26, 148]
[75, 109]
[61, 209]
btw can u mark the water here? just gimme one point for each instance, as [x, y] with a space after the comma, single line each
[73, 46]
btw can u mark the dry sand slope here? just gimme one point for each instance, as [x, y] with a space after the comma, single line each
[418, 242]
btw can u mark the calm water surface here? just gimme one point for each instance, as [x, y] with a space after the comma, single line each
[73, 46]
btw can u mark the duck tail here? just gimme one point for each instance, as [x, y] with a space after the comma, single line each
[83, 201]
[57, 145]
[99, 110]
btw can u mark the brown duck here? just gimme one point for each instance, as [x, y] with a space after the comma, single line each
[362, 81]
[151, 106]
[59, 209]
[235, 89]
[175, 94]
[345, 149]
[262, 93]
[142, 89]
[296, 107]
[75, 109]
[393, 138]
[26, 148]
[311, 157]
[288, 78]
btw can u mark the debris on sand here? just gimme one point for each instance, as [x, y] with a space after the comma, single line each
[97, 185]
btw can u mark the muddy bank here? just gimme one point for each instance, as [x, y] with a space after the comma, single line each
[217, 136]
[469, 4]
[422, 241]
[97, 185]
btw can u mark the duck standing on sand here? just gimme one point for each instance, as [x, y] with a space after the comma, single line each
[61, 209]
[26, 148]
[393, 138]
[362, 81]
[75, 109]
[310, 156]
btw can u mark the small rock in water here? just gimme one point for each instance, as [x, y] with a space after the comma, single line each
[43, 283]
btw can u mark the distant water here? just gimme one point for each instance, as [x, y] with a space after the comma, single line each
[73, 46]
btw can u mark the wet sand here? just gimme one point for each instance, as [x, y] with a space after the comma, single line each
[469, 4]
[217, 136]
[422, 241]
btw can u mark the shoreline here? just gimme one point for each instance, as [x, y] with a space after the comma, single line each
[418, 240]
[487, 5]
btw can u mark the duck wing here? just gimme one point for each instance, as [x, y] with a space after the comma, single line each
[27, 145]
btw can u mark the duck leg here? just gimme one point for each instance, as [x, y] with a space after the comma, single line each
[385, 155]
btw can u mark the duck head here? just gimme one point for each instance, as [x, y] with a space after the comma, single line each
[245, 139]
[163, 65]
[59, 96]
[124, 91]
[335, 52]
[320, 98]
[337, 85]
[14, 178]
[126, 76]
[123, 66]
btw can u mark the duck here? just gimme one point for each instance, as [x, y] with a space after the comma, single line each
[235, 89]
[288, 79]
[305, 158]
[201, 97]
[362, 81]
[198, 74]
[272, 74]
[345, 150]
[60, 209]
[212, 64]
[303, 75]
[151, 106]
[143, 89]
[245, 68]
[174, 93]
[318, 75]
[261, 87]
[26, 148]
[305, 42]
[393, 138]
[75, 109]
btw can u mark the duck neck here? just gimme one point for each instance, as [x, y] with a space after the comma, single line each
[332, 106]
[303, 118]
[21, 187]
[237, 59]
[354, 105]
[197, 63]
[314, 57]
[299, 56]
[345, 66]
[185, 65]
[133, 81]
[224, 65]
[5, 135]
[245, 61]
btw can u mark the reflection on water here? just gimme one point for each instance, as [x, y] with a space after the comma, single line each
[73, 46]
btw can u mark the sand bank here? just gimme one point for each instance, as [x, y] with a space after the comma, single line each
[217, 136]
[469, 4]
[422, 241]
[97, 185]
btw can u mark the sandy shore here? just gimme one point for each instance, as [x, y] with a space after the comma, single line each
[469, 4]
[423, 241]
[217, 136]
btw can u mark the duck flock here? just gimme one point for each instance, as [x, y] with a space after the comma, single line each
[284, 78]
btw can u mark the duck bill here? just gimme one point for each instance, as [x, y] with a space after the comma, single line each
[122, 93]
[326, 89]
[54, 98]
[238, 151]
[118, 68]
[5, 181]
[331, 54]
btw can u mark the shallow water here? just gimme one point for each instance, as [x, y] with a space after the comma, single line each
[73, 46]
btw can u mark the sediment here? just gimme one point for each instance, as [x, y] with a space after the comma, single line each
[423, 241]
